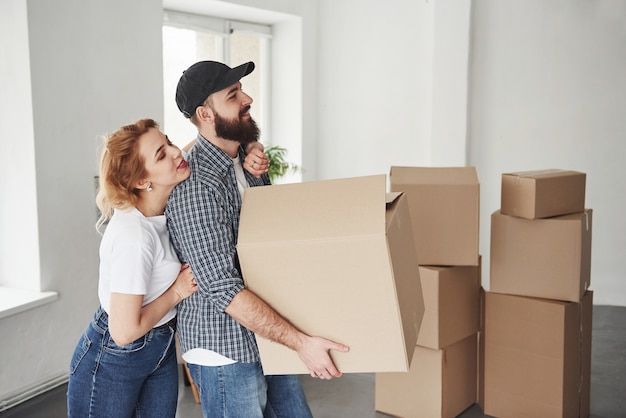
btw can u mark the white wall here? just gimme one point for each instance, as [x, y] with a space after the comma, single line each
[546, 89]
[17, 268]
[392, 85]
[87, 68]
[373, 101]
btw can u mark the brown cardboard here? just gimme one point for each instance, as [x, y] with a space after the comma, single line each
[480, 385]
[452, 304]
[336, 258]
[441, 383]
[481, 353]
[444, 203]
[546, 258]
[585, 363]
[537, 356]
[543, 193]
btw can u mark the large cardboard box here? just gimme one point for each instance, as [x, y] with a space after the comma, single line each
[441, 383]
[537, 356]
[452, 304]
[542, 193]
[444, 203]
[546, 258]
[336, 258]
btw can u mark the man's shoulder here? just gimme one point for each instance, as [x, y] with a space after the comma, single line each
[204, 173]
[202, 180]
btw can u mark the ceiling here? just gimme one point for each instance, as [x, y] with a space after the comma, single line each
[225, 10]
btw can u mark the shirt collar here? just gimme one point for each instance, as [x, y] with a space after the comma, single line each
[211, 157]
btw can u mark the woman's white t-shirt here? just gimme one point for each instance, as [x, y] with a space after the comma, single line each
[137, 258]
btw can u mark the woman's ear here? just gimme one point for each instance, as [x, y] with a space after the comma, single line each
[143, 184]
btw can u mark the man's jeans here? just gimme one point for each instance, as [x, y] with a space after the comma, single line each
[139, 379]
[240, 390]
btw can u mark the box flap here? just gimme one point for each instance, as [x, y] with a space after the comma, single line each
[343, 208]
[434, 175]
[401, 247]
[391, 197]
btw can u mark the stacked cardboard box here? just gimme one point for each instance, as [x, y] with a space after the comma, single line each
[442, 381]
[536, 350]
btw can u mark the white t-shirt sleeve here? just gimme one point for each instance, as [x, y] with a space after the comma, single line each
[131, 261]
[131, 268]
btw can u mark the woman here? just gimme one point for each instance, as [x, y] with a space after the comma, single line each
[125, 363]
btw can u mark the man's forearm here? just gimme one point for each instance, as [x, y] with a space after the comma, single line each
[256, 315]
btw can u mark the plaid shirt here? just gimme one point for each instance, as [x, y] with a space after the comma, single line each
[203, 219]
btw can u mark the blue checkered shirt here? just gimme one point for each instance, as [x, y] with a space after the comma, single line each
[203, 219]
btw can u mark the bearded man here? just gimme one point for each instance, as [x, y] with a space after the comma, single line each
[217, 325]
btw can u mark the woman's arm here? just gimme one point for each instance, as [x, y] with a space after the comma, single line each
[128, 320]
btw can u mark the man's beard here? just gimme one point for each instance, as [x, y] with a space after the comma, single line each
[244, 132]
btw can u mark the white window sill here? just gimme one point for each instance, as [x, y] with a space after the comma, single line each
[13, 301]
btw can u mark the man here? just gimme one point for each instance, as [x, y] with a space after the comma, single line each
[217, 324]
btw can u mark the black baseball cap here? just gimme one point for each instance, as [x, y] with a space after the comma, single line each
[205, 78]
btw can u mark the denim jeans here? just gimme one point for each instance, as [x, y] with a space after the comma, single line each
[240, 390]
[136, 380]
[285, 398]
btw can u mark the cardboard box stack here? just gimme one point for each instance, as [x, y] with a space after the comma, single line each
[337, 259]
[443, 378]
[536, 350]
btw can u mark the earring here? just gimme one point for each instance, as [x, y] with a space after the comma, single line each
[149, 188]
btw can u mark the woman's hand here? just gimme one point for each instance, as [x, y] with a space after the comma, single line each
[185, 284]
[129, 320]
[256, 161]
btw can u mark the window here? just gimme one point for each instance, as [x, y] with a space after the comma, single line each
[190, 38]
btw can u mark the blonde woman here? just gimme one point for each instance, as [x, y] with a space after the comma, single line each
[125, 363]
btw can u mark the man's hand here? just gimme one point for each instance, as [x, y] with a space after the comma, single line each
[256, 161]
[315, 353]
[256, 315]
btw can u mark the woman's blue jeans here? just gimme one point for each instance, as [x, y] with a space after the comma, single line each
[136, 380]
[240, 390]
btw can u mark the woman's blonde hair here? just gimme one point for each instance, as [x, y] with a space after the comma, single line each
[121, 168]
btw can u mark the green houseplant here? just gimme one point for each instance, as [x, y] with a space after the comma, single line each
[278, 164]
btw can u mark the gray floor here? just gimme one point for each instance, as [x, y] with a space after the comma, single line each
[352, 396]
